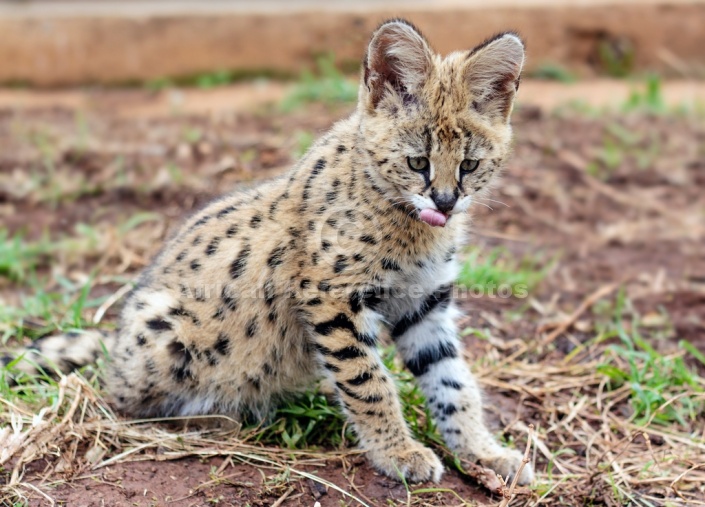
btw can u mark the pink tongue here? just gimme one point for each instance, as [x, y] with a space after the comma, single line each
[432, 217]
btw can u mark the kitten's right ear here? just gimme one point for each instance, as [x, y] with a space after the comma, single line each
[398, 61]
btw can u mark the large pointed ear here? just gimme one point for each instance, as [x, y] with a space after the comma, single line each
[492, 73]
[398, 62]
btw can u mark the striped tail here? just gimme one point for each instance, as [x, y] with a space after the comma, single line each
[62, 353]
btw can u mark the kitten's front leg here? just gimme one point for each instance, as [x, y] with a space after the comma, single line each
[427, 340]
[345, 336]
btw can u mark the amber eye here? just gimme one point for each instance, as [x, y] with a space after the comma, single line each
[418, 163]
[467, 166]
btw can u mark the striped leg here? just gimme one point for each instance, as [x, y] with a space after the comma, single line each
[345, 339]
[427, 340]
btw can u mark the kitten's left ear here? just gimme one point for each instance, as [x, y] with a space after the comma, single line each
[397, 63]
[492, 73]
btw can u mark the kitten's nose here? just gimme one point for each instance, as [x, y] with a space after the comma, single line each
[444, 201]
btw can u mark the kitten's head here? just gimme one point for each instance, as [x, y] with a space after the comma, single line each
[436, 129]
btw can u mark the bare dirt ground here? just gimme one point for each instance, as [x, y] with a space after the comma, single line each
[604, 201]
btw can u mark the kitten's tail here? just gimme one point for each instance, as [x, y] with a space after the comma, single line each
[62, 353]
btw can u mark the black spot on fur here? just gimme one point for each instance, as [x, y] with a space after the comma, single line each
[180, 352]
[342, 321]
[340, 264]
[228, 299]
[251, 330]
[141, 340]
[195, 265]
[325, 245]
[450, 409]
[159, 324]
[366, 238]
[373, 398]
[453, 384]
[439, 298]
[341, 149]
[225, 211]
[366, 298]
[320, 165]
[331, 367]
[390, 265]
[269, 294]
[429, 356]
[275, 258]
[232, 231]
[222, 344]
[238, 265]
[181, 256]
[344, 354]
[183, 312]
[180, 373]
[256, 221]
[219, 313]
[360, 379]
[213, 246]
[201, 221]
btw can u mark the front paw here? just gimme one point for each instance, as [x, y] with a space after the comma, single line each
[507, 464]
[413, 462]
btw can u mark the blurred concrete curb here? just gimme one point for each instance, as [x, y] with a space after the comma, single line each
[64, 42]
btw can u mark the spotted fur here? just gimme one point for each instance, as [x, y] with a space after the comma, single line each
[268, 289]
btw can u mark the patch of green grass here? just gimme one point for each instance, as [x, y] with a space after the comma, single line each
[45, 311]
[553, 72]
[649, 100]
[212, 79]
[304, 140]
[310, 419]
[663, 389]
[18, 258]
[327, 85]
[315, 419]
[621, 145]
[616, 57]
[487, 272]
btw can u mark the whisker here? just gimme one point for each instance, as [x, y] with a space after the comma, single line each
[494, 200]
[486, 205]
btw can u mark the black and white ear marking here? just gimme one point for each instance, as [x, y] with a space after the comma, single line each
[492, 72]
[398, 61]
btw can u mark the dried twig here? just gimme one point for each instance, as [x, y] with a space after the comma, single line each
[584, 306]
[508, 494]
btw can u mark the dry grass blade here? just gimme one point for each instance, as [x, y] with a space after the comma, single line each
[508, 493]
[582, 308]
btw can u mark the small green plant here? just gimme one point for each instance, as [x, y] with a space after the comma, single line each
[328, 85]
[663, 389]
[487, 271]
[308, 420]
[315, 419]
[304, 140]
[553, 72]
[650, 100]
[616, 57]
[18, 257]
